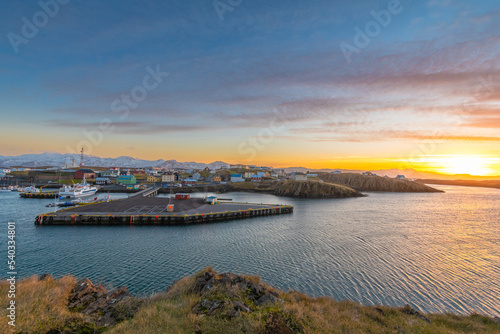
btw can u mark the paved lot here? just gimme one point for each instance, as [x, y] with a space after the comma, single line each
[158, 205]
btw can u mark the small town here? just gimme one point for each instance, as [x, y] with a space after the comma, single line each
[122, 178]
[139, 178]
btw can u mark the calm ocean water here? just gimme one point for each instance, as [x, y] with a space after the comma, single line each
[436, 252]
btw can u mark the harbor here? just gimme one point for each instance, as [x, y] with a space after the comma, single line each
[144, 208]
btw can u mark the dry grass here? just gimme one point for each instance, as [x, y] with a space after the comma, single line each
[324, 315]
[40, 305]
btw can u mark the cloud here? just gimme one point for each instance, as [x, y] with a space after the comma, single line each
[485, 122]
[132, 128]
[389, 135]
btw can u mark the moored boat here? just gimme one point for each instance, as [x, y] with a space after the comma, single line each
[77, 190]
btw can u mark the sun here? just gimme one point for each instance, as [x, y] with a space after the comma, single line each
[472, 165]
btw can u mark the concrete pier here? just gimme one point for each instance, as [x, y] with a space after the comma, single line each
[141, 209]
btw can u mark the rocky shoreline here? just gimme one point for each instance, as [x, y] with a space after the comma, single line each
[211, 302]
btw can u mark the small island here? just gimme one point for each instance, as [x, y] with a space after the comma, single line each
[211, 302]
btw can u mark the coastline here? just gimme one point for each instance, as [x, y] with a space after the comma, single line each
[211, 302]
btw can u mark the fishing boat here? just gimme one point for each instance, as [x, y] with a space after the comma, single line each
[77, 190]
[31, 190]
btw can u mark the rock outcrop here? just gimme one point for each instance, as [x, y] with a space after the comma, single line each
[103, 308]
[234, 287]
[299, 189]
[362, 182]
[313, 189]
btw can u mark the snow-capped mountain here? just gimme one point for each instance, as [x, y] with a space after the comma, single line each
[61, 160]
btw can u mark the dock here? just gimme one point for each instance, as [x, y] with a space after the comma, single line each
[45, 194]
[144, 209]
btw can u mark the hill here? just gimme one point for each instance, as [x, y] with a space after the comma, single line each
[209, 302]
[375, 183]
[300, 189]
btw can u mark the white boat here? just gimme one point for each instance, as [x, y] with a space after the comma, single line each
[31, 190]
[78, 190]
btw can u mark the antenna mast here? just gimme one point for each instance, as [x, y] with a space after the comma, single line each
[81, 158]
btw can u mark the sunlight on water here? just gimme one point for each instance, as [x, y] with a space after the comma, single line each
[436, 252]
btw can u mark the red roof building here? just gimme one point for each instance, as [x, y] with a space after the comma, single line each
[182, 196]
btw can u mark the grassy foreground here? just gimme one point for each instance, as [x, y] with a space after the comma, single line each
[226, 303]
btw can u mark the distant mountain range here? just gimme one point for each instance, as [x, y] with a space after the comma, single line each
[61, 160]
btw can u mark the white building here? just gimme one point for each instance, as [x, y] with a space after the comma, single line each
[237, 178]
[299, 176]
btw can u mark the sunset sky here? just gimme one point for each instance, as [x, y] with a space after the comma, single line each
[320, 84]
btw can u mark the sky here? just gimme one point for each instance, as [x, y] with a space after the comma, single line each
[323, 84]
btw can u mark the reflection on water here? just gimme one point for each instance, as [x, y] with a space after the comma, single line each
[436, 252]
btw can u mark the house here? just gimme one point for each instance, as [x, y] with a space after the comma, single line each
[216, 178]
[256, 178]
[126, 179]
[102, 181]
[189, 181]
[153, 178]
[211, 200]
[400, 177]
[169, 177]
[113, 172]
[280, 172]
[368, 173]
[298, 176]
[237, 178]
[84, 173]
[196, 176]
[139, 172]
[6, 170]
[182, 196]
[239, 166]
[248, 175]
